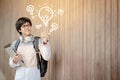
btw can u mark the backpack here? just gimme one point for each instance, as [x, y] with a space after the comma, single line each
[41, 63]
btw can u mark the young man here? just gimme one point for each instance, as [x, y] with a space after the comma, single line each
[26, 52]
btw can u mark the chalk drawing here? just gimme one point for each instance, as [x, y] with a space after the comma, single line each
[30, 9]
[60, 12]
[54, 27]
[45, 14]
[38, 26]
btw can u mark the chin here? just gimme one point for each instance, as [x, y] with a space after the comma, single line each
[28, 34]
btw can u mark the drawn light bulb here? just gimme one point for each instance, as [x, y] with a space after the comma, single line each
[54, 26]
[60, 12]
[30, 9]
[38, 26]
[45, 14]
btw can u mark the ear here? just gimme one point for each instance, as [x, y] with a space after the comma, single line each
[19, 30]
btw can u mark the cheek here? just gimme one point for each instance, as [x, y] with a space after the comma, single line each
[22, 30]
[30, 28]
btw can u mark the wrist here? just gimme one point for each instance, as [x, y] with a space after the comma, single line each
[14, 61]
[45, 42]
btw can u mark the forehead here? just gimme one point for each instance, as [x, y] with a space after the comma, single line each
[26, 23]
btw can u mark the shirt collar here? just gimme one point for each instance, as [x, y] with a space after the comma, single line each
[27, 39]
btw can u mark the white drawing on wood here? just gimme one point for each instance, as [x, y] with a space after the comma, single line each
[30, 9]
[45, 14]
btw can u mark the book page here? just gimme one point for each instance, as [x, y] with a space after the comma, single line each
[10, 51]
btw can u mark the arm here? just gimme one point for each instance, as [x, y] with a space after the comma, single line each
[45, 50]
[14, 61]
[12, 64]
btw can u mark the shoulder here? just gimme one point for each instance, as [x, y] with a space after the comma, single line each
[13, 44]
[39, 39]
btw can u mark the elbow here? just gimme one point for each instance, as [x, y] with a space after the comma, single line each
[11, 64]
[47, 56]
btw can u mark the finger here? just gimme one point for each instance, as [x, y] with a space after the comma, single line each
[19, 55]
[16, 54]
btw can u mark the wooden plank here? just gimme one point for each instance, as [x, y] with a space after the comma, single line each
[118, 15]
[12, 29]
[58, 54]
[62, 47]
[1, 30]
[13, 32]
[6, 32]
[67, 43]
[84, 40]
[62, 24]
[2, 39]
[78, 39]
[107, 40]
[100, 58]
[90, 36]
[114, 44]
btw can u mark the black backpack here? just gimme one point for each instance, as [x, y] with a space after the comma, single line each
[41, 63]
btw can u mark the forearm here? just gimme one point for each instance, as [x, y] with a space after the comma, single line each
[12, 64]
[46, 51]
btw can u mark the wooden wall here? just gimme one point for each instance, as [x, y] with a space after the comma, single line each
[86, 45]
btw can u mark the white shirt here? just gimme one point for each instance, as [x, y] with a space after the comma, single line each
[29, 70]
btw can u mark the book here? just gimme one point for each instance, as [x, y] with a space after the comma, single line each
[9, 50]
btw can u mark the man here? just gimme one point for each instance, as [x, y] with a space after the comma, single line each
[26, 52]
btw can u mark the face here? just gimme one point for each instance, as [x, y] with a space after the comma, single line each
[26, 29]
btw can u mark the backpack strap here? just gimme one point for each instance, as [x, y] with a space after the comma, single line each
[35, 44]
[41, 63]
[36, 47]
[16, 45]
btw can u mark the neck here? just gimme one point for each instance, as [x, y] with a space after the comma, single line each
[24, 36]
[26, 39]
